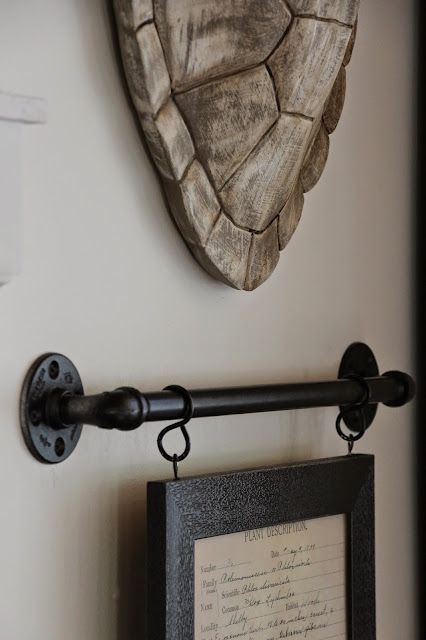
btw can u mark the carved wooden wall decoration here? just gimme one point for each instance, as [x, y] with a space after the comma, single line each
[237, 99]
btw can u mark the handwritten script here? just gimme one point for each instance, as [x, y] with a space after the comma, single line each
[284, 581]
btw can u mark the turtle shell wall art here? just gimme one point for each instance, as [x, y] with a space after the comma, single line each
[237, 99]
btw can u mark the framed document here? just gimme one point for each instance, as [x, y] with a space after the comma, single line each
[268, 554]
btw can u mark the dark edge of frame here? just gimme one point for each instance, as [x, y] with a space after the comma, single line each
[179, 512]
[362, 574]
[156, 562]
[419, 189]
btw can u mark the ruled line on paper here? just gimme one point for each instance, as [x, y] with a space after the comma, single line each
[264, 603]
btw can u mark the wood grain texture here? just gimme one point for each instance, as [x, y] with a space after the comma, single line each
[236, 99]
[146, 70]
[263, 257]
[306, 64]
[175, 139]
[344, 11]
[228, 246]
[133, 13]
[336, 100]
[290, 216]
[194, 205]
[261, 186]
[316, 160]
[155, 145]
[248, 100]
[351, 45]
[203, 39]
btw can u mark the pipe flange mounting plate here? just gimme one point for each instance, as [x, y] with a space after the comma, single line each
[359, 360]
[50, 373]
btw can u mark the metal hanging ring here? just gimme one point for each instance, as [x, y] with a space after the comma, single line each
[350, 446]
[356, 406]
[189, 412]
[175, 467]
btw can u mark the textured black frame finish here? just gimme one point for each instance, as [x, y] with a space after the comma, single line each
[182, 511]
[420, 315]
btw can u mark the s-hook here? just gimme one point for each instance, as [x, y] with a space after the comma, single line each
[189, 412]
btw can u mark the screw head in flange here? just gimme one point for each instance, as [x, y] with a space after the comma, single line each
[51, 374]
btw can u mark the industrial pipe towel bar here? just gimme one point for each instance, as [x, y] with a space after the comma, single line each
[54, 409]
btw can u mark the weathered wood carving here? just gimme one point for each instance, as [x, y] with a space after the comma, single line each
[237, 99]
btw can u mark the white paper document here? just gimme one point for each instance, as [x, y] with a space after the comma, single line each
[280, 582]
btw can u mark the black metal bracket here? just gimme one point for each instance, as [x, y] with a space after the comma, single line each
[53, 408]
[359, 360]
[48, 379]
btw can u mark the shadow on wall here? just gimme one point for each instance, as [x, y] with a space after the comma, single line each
[114, 45]
[131, 623]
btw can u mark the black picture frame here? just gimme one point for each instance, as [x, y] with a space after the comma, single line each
[419, 189]
[182, 511]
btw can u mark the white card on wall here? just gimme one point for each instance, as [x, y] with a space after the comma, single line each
[14, 112]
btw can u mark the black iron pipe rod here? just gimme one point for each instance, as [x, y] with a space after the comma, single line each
[127, 409]
[165, 405]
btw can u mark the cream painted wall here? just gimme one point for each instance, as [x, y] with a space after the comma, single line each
[108, 281]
